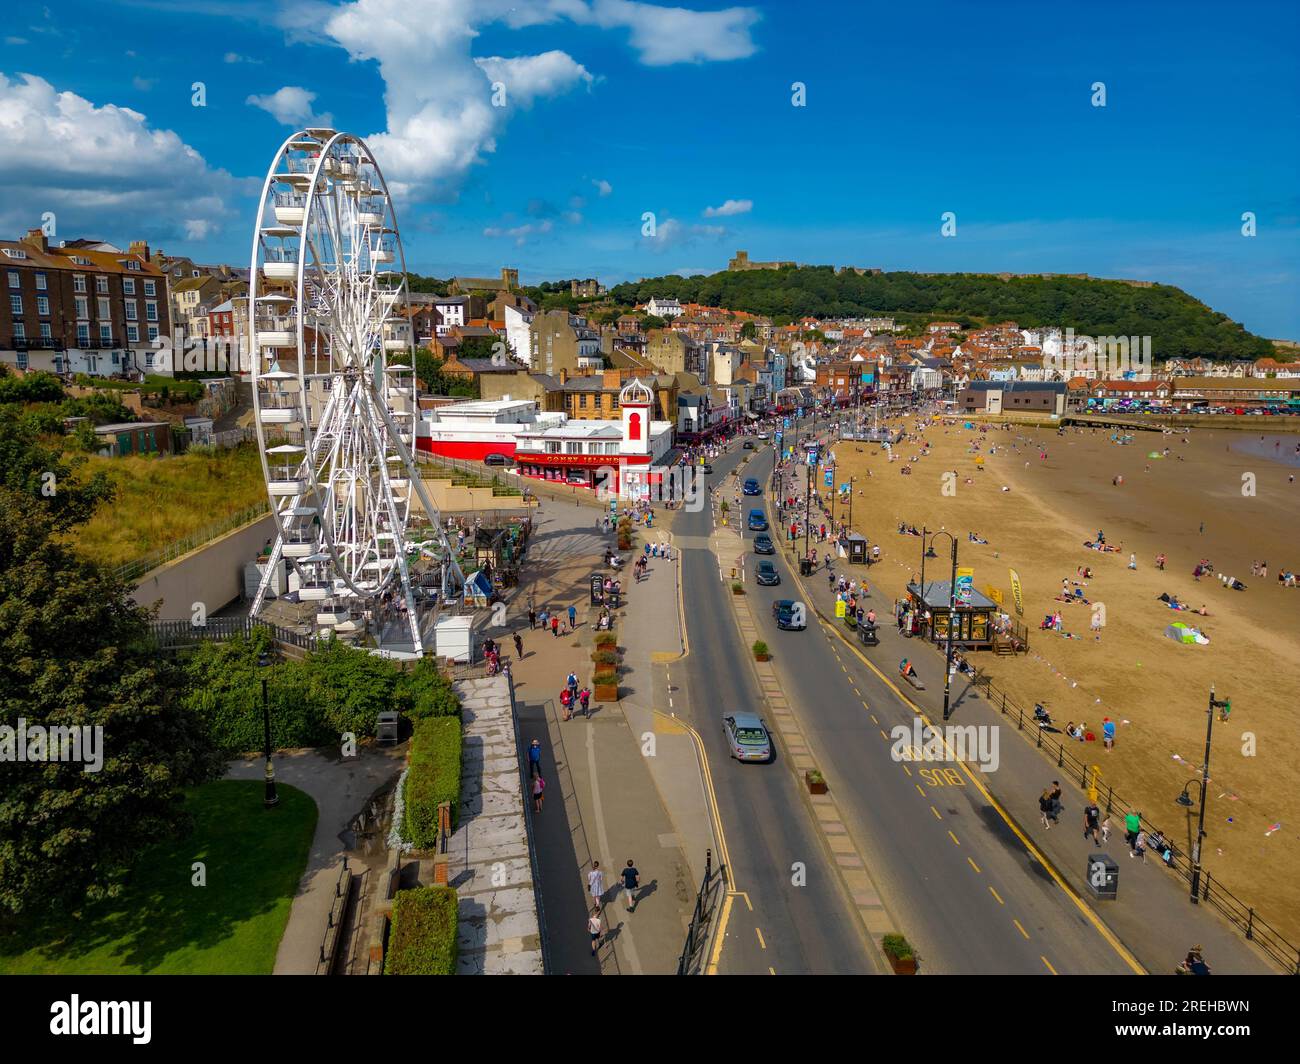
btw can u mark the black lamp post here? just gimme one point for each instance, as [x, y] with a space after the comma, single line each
[807, 502]
[852, 481]
[1205, 780]
[271, 798]
[952, 616]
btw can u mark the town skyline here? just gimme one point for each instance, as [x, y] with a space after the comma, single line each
[795, 137]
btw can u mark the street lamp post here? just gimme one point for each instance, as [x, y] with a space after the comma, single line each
[952, 610]
[852, 481]
[270, 798]
[1205, 780]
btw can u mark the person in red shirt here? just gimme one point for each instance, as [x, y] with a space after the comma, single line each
[555, 626]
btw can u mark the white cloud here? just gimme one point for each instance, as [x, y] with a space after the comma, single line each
[440, 120]
[291, 106]
[666, 35]
[520, 234]
[143, 84]
[15, 40]
[93, 165]
[197, 229]
[235, 57]
[602, 186]
[531, 76]
[732, 206]
[670, 233]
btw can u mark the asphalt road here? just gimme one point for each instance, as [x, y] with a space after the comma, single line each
[968, 893]
[774, 926]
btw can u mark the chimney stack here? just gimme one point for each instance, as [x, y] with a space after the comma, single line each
[35, 238]
[139, 247]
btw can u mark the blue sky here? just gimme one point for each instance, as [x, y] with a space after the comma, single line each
[911, 110]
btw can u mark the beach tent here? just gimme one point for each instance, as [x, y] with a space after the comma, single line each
[1185, 634]
[478, 588]
[1155, 454]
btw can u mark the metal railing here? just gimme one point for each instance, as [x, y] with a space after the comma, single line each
[1242, 916]
[137, 568]
[697, 932]
[173, 635]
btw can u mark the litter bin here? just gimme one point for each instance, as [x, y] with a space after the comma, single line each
[805, 567]
[1102, 876]
[387, 730]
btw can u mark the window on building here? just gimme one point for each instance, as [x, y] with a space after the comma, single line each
[103, 310]
[133, 264]
[573, 447]
[79, 282]
[101, 285]
[552, 447]
[14, 282]
[128, 286]
[83, 307]
[105, 332]
[83, 332]
[150, 310]
[45, 331]
[133, 334]
[153, 332]
[43, 306]
[131, 312]
[22, 359]
[582, 402]
[150, 288]
[20, 331]
[16, 305]
[40, 282]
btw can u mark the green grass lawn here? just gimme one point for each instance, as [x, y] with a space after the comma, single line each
[163, 925]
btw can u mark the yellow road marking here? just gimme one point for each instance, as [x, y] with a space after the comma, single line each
[1049, 965]
[712, 967]
[954, 838]
[1106, 933]
[907, 770]
[1019, 928]
[759, 933]
[873, 716]
[936, 813]
[997, 895]
[973, 864]
[919, 790]
[771, 971]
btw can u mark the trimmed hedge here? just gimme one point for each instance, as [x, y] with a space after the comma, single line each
[422, 938]
[434, 778]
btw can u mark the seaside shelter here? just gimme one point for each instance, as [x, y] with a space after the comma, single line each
[973, 616]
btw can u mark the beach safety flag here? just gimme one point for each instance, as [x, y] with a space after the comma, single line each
[1015, 593]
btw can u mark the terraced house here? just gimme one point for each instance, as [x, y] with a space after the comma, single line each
[82, 307]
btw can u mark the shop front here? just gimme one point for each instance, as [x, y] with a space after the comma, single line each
[972, 617]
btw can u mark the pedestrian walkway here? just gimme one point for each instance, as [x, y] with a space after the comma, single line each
[600, 802]
[1152, 915]
[489, 861]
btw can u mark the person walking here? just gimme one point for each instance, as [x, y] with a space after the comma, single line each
[571, 683]
[595, 928]
[539, 785]
[1140, 847]
[519, 647]
[596, 885]
[573, 618]
[1045, 809]
[1092, 822]
[584, 699]
[545, 618]
[555, 626]
[532, 617]
[631, 882]
[1108, 733]
[535, 758]
[1132, 827]
[566, 704]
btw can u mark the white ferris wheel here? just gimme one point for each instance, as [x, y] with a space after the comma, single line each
[334, 389]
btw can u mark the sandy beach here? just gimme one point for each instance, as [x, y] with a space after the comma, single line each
[1190, 505]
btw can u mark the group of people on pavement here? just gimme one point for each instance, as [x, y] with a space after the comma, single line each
[630, 877]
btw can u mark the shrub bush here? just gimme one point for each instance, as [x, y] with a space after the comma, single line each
[422, 938]
[897, 946]
[624, 543]
[737, 588]
[424, 692]
[604, 657]
[605, 676]
[606, 639]
[434, 778]
[760, 649]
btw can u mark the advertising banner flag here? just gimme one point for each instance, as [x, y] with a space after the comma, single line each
[1015, 593]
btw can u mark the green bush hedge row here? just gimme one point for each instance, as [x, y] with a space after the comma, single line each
[433, 778]
[422, 938]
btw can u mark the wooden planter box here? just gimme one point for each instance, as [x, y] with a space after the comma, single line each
[903, 965]
[815, 785]
[606, 692]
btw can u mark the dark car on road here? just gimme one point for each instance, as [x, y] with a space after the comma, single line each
[766, 574]
[751, 487]
[748, 445]
[788, 618]
[763, 544]
[757, 521]
[705, 468]
[496, 458]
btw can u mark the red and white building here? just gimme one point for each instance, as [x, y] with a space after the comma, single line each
[621, 456]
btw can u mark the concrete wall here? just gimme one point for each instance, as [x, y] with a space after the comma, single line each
[213, 574]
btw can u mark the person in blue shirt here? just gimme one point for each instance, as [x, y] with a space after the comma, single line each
[1108, 732]
[535, 758]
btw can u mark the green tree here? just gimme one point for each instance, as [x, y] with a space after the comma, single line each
[76, 652]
